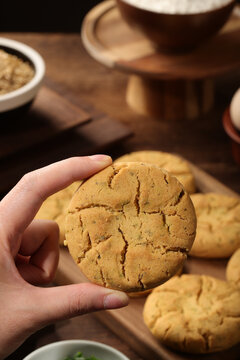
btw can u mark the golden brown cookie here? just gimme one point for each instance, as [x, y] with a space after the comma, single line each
[55, 208]
[195, 314]
[145, 293]
[140, 294]
[233, 268]
[175, 165]
[130, 226]
[218, 225]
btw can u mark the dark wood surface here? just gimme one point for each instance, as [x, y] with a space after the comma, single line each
[67, 127]
[202, 141]
[49, 115]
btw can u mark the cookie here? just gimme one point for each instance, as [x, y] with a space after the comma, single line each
[139, 294]
[130, 226]
[145, 293]
[218, 225]
[175, 165]
[194, 314]
[55, 208]
[233, 268]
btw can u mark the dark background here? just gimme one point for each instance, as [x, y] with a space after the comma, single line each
[44, 15]
[47, 16]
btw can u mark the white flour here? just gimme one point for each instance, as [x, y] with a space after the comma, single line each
[178, 6]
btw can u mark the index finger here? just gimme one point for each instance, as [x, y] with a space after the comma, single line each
[21, 204]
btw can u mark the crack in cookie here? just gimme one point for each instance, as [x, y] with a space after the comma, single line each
[124, 252]
[140, 276]
[110, 179]
[90, 206]
[179, 197]
[104, 283]
[137, 196]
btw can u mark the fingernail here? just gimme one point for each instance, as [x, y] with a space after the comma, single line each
[115, 300]
[105, 159]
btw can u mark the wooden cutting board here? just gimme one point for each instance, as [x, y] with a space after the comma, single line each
[74, 128]
[127, 322]
[49, 115]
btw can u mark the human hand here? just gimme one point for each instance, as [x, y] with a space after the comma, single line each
[29, 257]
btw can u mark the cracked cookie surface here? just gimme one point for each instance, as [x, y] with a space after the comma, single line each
[175, 165]
[233, 268]
[145, 293]
[55, 208]
[130, 226]
[195, 314]
[218, 225]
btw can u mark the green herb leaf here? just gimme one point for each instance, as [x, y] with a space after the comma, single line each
[79, 356]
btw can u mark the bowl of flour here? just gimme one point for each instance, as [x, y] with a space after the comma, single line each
[176, 25]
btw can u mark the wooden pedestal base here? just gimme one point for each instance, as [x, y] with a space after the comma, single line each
[170, 99]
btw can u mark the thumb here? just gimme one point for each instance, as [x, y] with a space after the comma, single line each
[58, 303]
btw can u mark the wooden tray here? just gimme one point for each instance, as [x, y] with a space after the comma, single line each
[84, 138]
[127, 323]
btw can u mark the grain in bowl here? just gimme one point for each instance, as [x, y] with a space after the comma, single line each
[14, 72]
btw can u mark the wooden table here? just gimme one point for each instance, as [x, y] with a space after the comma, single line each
[202, 141]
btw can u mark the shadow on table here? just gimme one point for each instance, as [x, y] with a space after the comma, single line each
[30, 344]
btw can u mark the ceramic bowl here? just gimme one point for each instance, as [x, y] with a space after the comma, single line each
[175, 32]
[61, 349]
[22, 97]
[233, 134]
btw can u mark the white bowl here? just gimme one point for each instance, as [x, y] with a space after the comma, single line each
[59, 350]
[26, 93]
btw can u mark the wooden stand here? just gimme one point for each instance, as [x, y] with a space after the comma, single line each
[170, 99]
[168, 86]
